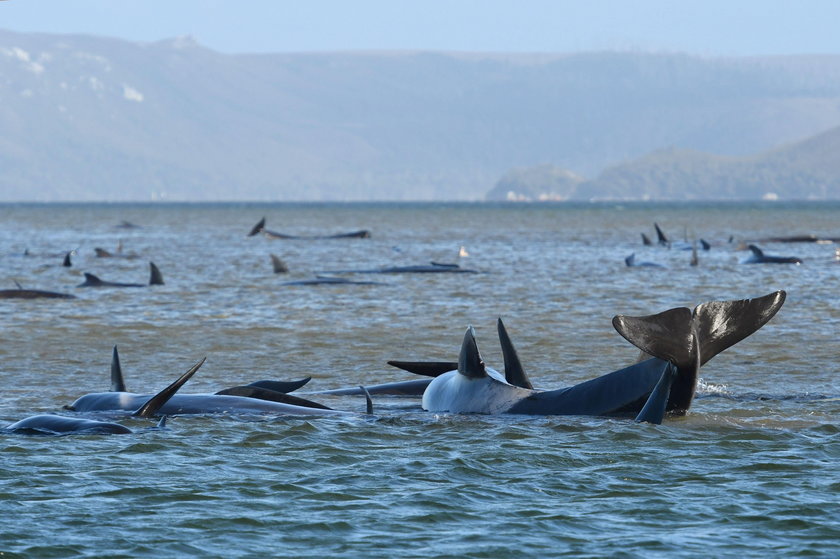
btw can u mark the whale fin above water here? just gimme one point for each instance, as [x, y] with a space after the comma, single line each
[425, 368]
[662, 239]
[470, 363]
[689, 339]
[657, 403]
[722, 324]
[91, 281]
[280, 385]
[117, 381]
[151, 407]
[270, 396]
[514, 371]
[257, 228]
[155, 278]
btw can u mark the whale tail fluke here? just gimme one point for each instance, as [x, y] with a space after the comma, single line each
[151, 407]
[155, 278]
[689, 339]
[722, 324]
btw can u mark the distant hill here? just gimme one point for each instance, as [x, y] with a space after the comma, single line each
[805, 170]
[91, 118]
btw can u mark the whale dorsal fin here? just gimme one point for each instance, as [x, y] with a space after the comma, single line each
[257, 228]
[721, 324]
[756, 251]
[646, 240]
[117, 382]
[92, 280]
[151, 407]
[67, 262]
[514, 372]
[278, 265]
[156, 278]
[470, 363]
[630, 260]
[663, 240]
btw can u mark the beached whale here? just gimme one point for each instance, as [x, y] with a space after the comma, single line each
[21, 293]
[758, 257]
[631, 262]
[260, 228]
[260, 398]
[50, 424]
[679, 341]
[430, 268]
[155, 278]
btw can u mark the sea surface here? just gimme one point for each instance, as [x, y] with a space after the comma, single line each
[753, 470]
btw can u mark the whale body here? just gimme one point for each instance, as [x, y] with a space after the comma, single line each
[678, 342]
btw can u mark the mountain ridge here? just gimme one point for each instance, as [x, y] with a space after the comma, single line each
[91, 118]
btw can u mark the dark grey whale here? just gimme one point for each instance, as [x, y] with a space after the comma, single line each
[430, 268]
[21, 293]
[677, 342]
[49, 424]
[155, 278]
[260, 228]
[260, 398]
[758, 257]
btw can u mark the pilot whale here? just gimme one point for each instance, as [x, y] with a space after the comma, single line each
[262, 397]
[155, 278]
[50, 424]
[260, 228]
[758, 257]
[677, 342]
[22, 293]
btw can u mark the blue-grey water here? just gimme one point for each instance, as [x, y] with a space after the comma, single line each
[751, 471]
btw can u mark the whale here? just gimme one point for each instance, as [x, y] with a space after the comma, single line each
[758, 257]
[52, 424]
[675, 344]
[21, 293]
[329, 280]
[155, 278]
[631, 262]
[430, 268]
[663, 240]
[260, 228]
[259, 398]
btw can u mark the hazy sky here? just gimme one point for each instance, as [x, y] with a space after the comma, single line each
[706, 27]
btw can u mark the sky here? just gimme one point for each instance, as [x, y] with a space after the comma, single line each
[704, 27]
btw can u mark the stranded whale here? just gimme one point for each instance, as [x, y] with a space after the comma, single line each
[260, 398]
[48, 424]
[758, 257]
[155, 278]
[21, 293]
[679, 341]
[260, 228]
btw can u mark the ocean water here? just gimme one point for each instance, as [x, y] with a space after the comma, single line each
[751, 471]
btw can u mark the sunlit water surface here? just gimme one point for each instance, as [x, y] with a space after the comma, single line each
[751, 471]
